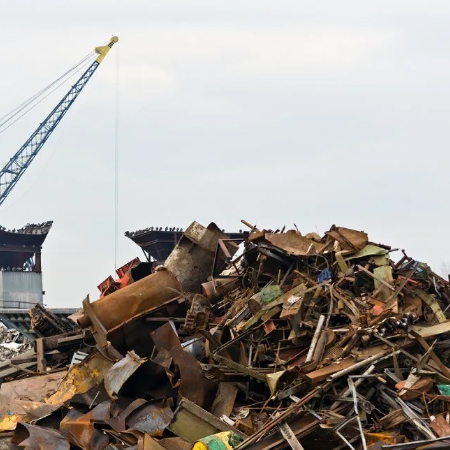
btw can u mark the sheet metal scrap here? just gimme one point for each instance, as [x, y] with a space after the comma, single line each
[193, 386]
[24, 400]
[81, 378]
[300, 341]
[119, 373]
[149, 418]
[32, 437]
[80, 429]
[130, 272]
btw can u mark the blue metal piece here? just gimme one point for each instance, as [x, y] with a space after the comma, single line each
[17, 165]
[325, 275]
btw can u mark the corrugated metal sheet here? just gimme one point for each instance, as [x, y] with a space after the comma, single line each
[20, 289]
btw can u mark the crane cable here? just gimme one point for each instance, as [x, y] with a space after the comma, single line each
[61, 79]
[42, 91]
[116, 162]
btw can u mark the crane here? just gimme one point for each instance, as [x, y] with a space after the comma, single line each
[18, 164]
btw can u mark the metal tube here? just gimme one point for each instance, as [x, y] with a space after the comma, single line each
[366, 362]
[315, 338]
[355, 405]
[415, 444]
[347, 392]
[133, 299]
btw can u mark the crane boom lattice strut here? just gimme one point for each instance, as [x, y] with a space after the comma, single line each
[17, 165]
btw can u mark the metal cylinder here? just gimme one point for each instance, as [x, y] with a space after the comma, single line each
[315, 338]
[219, 287]
[133, 299]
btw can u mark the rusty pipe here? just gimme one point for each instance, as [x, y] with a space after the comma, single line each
[133, 299]
[315, 339]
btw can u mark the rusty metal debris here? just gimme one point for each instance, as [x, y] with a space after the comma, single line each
[12, 343]
[33, 437]
[45, 323]
[275, 340]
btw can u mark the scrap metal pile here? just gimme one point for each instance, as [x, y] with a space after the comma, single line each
[11, 343]
[282, 340]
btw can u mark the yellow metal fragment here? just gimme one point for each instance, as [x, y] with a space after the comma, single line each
[81, 378]
[9, 423]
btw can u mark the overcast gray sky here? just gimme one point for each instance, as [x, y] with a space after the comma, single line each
[306, 112]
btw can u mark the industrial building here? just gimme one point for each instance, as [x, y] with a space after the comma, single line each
[20, 266]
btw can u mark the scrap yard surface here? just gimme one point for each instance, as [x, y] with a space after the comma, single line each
[270, 339]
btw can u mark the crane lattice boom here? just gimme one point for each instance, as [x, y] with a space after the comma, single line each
[16, 166]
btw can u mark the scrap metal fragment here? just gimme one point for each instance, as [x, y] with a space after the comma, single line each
[431, 331]
[193, 423]
[35, 389]
[294, 243]
[148, 443]
[81, 378]
[420, 424]
[348, 391]
[193, 386]
[301, 427]
[290, 437]
[46, 323]
[120, 372]
[432, 303]
[225, 398]
[316, 376]
[440, 426]
[175, 443]
[442, 443]
[198, 315]
[24, 400]
[80, 428]
[150, 418]
[352, 387]
[192, 258]
[348, 239]
[33, 437]
[372, 360]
